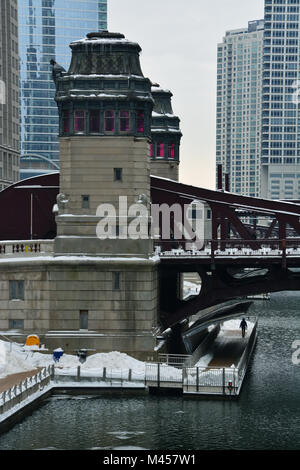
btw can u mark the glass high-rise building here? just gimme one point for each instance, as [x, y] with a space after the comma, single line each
[9, 94]
[281, 97]
[46, 28]
[239, 92]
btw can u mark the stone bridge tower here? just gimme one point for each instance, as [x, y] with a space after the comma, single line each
[105, 105]
[166, 136]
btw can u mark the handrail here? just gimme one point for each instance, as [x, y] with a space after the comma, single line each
[24, 389]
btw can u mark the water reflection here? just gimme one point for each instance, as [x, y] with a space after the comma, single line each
[266, 416]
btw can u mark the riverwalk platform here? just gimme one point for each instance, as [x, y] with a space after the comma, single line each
[218, 373]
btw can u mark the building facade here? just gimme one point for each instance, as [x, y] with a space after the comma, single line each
[46, 28]
[9, 94]
[238, 120]
[280, 108]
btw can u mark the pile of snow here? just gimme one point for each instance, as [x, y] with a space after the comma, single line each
[113, 360]
[204, 360]
[190, 288]
[13, 360]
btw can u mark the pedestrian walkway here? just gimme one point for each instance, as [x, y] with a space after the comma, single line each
[228, 349]
[14, 379]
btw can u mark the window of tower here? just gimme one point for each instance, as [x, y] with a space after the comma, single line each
[118, 174]
[140, 121]
[124, 121]
[171, 150]
[66, 122]
[151, 150]
[85, 201]
[94, 121]
[160, 150]
[79, 121]
[109, 121]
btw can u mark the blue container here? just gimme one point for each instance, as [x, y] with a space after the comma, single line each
[57, 353]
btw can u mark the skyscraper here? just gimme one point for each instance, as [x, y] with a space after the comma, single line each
[239, 88]
[9, 94]
[46, 28]
[281, 113]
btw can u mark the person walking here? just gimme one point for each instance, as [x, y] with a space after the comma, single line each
[243, 326]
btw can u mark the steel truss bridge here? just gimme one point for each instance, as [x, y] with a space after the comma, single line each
[253, 245]
[254, 248]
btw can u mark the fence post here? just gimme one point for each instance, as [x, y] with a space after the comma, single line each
[234, 374]
[223, 374]
[197, 380]
[158, 375]
[78, 373]
[283, 247]
[104, 373]
[130, 375]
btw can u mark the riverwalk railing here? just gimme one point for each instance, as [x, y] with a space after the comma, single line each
[246, 356]
[205, 380]
[104, 375]
[25, 389]
[202, 380]
[175, 360]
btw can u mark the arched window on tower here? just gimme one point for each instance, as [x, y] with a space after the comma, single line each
[140, 121]
[109, 121]
[124, 121]
[66, 121]
[160, 150]
[79, 121]
[171, 150]
[94, 123]
[151, 150]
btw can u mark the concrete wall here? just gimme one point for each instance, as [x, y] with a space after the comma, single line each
[87, 168]
[165, 169]
[56, 291]
[87, 165]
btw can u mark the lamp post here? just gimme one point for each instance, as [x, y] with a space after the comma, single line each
[33, 186]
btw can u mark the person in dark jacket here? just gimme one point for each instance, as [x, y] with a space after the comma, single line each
[243, 326]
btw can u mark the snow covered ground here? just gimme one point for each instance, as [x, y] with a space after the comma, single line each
[16, 358]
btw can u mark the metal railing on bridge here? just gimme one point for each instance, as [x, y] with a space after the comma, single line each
[231, 248]
[19, 248]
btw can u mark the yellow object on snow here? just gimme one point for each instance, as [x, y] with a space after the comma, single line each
[33, 340]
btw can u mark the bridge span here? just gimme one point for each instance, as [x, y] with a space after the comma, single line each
[252, 247]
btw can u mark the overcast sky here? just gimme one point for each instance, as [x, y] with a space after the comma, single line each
[179, 49]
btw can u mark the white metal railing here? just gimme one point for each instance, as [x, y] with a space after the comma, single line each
[175, 360]
[207, 380]
[229, 253]
[16, 248]
[26, 388]
[104, 374]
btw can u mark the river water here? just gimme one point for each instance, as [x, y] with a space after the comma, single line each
[265, 417]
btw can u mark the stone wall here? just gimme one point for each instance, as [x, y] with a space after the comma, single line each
[121, 312]
[165, 169]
